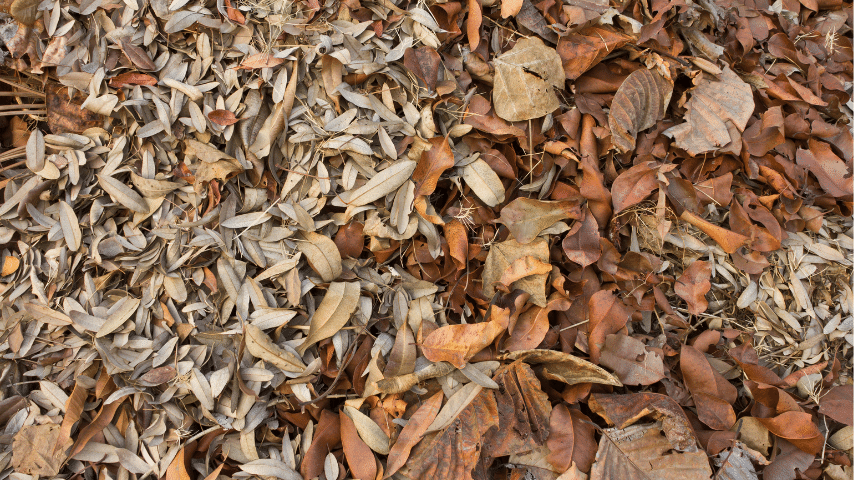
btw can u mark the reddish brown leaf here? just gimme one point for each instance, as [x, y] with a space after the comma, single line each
[798, 428]
[522, 267]
[634, 185]
[223, 117]
[712, 393]
[424, 63]
[473, 22]
[458, 343]
[360, 457]
[132, 78]
[608, 315]
[832, 173]
[727, 239]
[837, 404]
[693, 285]
[327, 435]
[530, 328]
[350, 240]
[571, 439]
[412, 432]
[158, 376]
[452, 453]
[432, 165]
[99, 423]
[581, 51]
[523, 412]
[581, 244]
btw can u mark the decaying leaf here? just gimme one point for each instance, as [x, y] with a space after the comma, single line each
[456, 344]
[718, 108]
[564, 367]
[33, 450]
[631, 362]
[640, 102]
[502, 255]
[525, 79]
[526, 217]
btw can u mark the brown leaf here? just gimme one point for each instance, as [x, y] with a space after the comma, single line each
[608, 315]
[523, 412]
[571, 439]
[132, 78]
[581, 244]
[33, 450]
[630, 360]
[563, 367]
[729, 241]
[530, 328]
[624, 410]
[137, 55]
[787, 462]
[582, 50]
[502, 255]
[66, 114]
[525, 79]
[524, 267]
[223, 117]
[452, 453]
[798, 428]
[412, 432]
[634, 185]
[350, 239]
[641, 451]
[712, 393]
[716, 105]
[424, 62]
[260, 60]
[432, 165]
[640, 102]
[837, 404]
[25, 11]
[693, 285]
[473, 23]
[510, 8]
[457, 344]
[327, 436]
[177, 470]
[360, 458]
[99, 423]
[832, 173]
[158, 376]
[526, 217]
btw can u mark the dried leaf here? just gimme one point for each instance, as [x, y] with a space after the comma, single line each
[693, 285]
[322, 254]
[484, 182]
[456, 344]
[526, 217]
[412, 433]
[334, 312]
[631, 361]
[261, 346]
[640, 102]
[525, 78]
[564, 367]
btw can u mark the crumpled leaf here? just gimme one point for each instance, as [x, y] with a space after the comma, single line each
[716, 106]
[693, 285]
[527, 217]
[630, 361]
[525, 79]
[502, 255]
[564, 367]
[523, 412]
[640, 102]
[456, 344]
[33, 450]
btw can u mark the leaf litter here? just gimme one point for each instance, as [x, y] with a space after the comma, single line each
[445, 240]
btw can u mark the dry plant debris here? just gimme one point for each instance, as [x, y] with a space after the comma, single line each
[440, 240]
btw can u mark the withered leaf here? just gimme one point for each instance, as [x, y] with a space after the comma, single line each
[334, 312]
[640, 102]
[564, 367]
[716, 104]
[693, 285]
[322, 254]
[223, 117]
[412, 432]
[260, 345]
[523, 412]
[502, 255]
[630, 360]
[33, 450]
[525, 79]
[526, 217]
[431, 165]
[456, 344]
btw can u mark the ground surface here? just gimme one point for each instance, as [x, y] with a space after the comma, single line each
[471, 239]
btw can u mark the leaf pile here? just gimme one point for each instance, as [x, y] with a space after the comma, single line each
[433, 240]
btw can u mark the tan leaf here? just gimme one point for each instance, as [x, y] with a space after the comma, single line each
[33, 450]
[564, 367]
[632, 363]
[261, 346]
[368, 429]
[334, 311]
[70, 226]
[123, 194]
[510, 8]
[525, 79]
[484, 182]
[527, 217]
[715, 103]
[381, 184]
[639, 103]
[25, 11]
[458, 343]
[501, 255]
[322, 254]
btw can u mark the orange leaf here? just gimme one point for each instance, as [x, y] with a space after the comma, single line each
[798, 428]
[474, 20]
[177, 470]
[522, 267]
[261, 60]
[510, 8]
[223, 117]
[693, 285]
[132, 78]
[727, 239]
[608, 314]
[458, 343]
[412, 432]
[581, 244]
[360, 458]
[432, 165]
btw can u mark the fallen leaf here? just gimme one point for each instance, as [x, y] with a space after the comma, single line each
[261, 346]
[693, 285]
[608, 315]
[457, 344]
[716, 105]
[322, 254]
[525, 79]
[526, 217]
[424, 63]
[583, 50]
[327, 436]
[523, 412]
[484, 182]
[640, 102]
[634, 185]
[502, 255]
[571, 439]
[564, 367]
[223, 117]
[33, 450]
[432, 165]
[630, 361]
[132, 78]
[333, 313]
[412, 432]
[581, 243]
